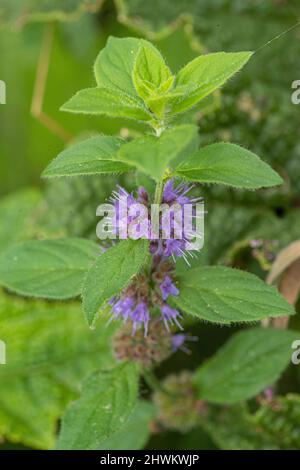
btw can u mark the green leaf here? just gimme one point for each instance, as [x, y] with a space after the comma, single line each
[279, 422]
[230, 429]
[111, 272]
[93, 156]
[113, 103]
[224, 295]
[205, 74]
[249, 362]
[115, 63]
[16, 212]
[229, 164]
[144, 180]
[52, 269]
[152, 155]
[49, 352]
[107, 400]
[152, 78]
[135, 432]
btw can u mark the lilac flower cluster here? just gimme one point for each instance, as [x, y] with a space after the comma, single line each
[175, 197]
[145, 294]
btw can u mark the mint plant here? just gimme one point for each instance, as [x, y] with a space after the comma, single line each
[138, 280]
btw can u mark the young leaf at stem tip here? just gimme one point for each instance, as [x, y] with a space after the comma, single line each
[153, 155]
[203, 75]
[152, 79]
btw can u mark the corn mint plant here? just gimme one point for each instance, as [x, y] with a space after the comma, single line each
[137, 279]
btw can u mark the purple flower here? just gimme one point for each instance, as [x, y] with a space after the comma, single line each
[176, 195]
[168, 288]
[170, 315]
[144, 296]
[122, 307]
[140, 316]
[128, 309]
[179, 340]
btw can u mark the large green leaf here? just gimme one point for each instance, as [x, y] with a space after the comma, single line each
[229, 164]
[152, 155]
[51, 269]
[107, 400]
[224, 295]
[111, 272]
[16, 212]
[249, 362]
[49, 352]
[135, 432]
[93, 156]
[205, 74]
[111, 102]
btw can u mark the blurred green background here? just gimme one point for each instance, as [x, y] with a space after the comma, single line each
[47, 49]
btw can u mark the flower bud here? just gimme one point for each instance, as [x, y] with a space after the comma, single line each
[177, 403]
[147, 350]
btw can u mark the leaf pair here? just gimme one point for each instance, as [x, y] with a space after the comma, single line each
[174, 153]
[133, 81]
[61, 269]
[65, 268]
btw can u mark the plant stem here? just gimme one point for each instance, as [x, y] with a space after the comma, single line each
[155, 384]
[158, 192]
[151, 380]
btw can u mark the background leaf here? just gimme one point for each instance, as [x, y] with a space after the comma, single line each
[249, 362]
[49, 351]
[17, 213]
[108, 398]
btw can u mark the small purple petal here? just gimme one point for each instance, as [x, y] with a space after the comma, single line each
[140, 315]
[170, 315]
[178, 342]
[168, 288]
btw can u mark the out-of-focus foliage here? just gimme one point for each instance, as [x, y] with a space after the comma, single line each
[274, 426]
[19, 12]
[31, 143]
[49, 352]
